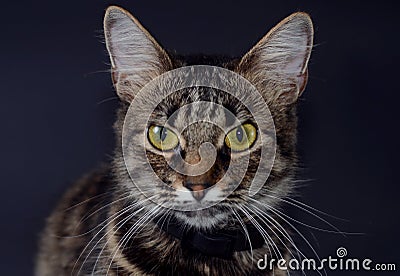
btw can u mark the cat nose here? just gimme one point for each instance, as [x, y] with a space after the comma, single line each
[198, 190]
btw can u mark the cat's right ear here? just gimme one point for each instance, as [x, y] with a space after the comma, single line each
[136, 58]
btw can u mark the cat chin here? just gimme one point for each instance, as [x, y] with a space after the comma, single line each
[202, 219]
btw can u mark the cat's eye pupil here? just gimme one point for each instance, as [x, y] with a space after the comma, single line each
[163, 134]
[239, 134]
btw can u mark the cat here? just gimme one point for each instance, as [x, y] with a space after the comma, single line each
[104, 225]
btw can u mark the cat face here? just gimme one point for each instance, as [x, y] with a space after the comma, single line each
[180, 124]
[213, 125]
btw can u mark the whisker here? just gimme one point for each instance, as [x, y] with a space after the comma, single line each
[245, 231]
[250, 217]
[111, 219]
[335, 229]
[306, 206]
[86, 217]
[119, 225]
[272, 209]
[142, 222]
[262, 232]
[107, 100]
[277, 226]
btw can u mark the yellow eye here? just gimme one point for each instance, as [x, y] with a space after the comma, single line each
[241, 138]
[162, 138]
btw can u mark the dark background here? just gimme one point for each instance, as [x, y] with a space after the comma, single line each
[57, 108]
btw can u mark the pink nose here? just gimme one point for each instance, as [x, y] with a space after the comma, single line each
[198, 190]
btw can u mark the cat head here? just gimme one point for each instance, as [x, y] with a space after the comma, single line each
[276, 66]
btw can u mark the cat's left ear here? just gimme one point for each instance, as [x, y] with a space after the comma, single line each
[136, 57]
[277, 64]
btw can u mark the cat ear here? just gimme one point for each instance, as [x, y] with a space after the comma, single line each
[277, 64]
[136, 58]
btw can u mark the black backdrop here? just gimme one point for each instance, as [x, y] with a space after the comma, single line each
[57, 107]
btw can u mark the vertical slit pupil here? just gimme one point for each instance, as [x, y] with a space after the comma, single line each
[239, 133]
[163, 133]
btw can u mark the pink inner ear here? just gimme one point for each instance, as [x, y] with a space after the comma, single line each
[296, 69]
[295, 65]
